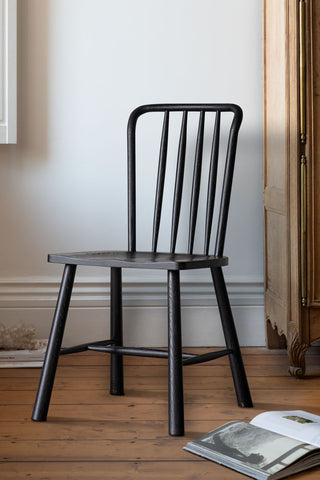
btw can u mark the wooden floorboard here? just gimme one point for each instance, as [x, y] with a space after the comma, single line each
[91, 435]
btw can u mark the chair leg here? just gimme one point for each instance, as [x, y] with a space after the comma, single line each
[41, 406]
[175, 380]
[116, 371]
[231, 338]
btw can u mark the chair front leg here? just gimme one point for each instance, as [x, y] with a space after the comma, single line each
[41, 406]
[175, 380]
[116, 370]
[231, 338]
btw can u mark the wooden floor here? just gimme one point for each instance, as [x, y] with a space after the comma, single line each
[91, 435]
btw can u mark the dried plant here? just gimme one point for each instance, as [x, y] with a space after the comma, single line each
[18, 337]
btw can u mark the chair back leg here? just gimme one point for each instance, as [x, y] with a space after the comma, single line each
[116, 371]
[231, 338]
[175, 380]
[41, 406]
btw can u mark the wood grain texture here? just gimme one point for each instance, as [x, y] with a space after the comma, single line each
[145, 260]
[291, 192]
[275, 165]
[90, 434]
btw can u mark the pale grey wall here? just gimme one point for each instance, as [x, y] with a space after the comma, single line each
[82, 66]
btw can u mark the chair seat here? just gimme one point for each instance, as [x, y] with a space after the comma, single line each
[150, 260]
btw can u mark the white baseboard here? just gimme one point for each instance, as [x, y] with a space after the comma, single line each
[33, 300]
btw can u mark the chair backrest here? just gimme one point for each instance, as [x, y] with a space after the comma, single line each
[209, 120]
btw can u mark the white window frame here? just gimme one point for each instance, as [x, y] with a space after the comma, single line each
[8, 71]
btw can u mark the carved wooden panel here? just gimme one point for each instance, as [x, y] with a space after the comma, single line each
[275, 186]
[292, 174]
[281, 171]
[313, 163]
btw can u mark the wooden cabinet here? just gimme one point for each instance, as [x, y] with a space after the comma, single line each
[291, 180]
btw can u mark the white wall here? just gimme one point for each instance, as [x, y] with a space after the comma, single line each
[82, 66]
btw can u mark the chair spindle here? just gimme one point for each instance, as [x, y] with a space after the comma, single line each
[212, 182]
[196, 183]
[160, 181]
[179, 182]
[226, 190]
[131, 159]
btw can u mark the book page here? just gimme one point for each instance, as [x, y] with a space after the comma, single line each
[249, 449]
[296, 424]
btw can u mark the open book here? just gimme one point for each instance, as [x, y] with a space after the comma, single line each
[273, 445]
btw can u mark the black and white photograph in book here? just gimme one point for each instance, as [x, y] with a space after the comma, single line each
[255, 446]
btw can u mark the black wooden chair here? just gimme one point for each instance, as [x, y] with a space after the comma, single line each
[209, 118]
